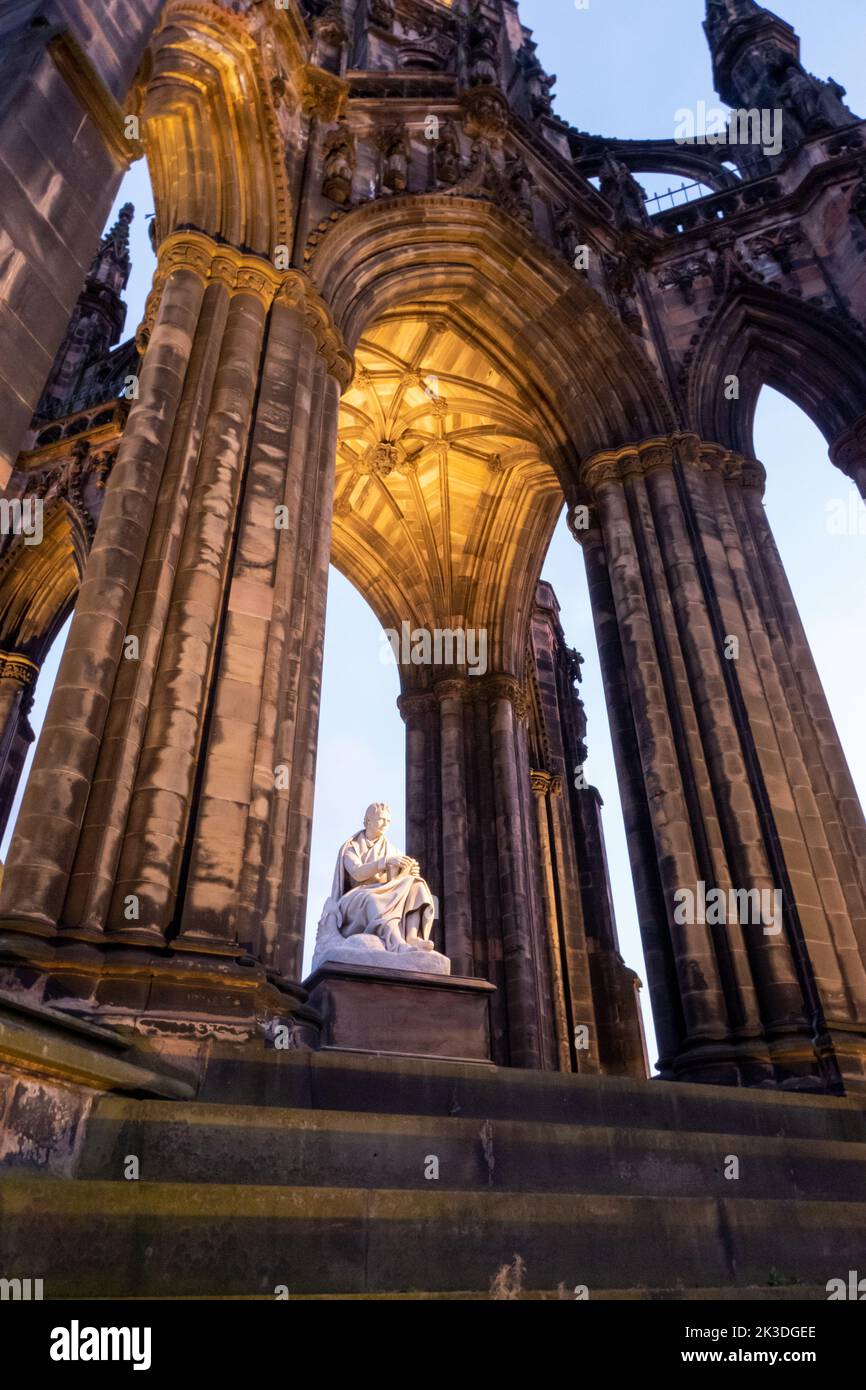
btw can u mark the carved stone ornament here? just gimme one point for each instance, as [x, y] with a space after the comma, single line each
[485, 114]
[338, 160]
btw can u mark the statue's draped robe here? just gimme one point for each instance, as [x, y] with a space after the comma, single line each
[377, 905]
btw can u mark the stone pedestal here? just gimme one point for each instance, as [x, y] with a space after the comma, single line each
[402, 1014]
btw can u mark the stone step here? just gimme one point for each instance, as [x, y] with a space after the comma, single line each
[361, 1083]
[92, 1239]
[199, 1143]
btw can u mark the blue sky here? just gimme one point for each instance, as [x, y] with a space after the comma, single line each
[624, 68]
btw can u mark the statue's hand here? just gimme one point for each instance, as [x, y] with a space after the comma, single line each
[407, 865]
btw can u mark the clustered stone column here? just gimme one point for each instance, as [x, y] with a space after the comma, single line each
[171, 797]
[471, 826]
[731, 772]
[545, 789]
[18, 676]
[600, 994]
[456, 864]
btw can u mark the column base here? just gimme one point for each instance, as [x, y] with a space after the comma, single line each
[178, 1005]
[395, 1013]
[833, 1064]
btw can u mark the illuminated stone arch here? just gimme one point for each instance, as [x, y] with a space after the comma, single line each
[212, 128]
[586, 379]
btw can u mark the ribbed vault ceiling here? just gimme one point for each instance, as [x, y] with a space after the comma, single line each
[444, 506]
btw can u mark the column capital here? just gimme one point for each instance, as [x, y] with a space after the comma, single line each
[628, 461]
[18, 668]
[540, 783]
[242, 273]
[545, 783]
[662, 452]
[582, 519]
[505, 687]
[848, 453]
[453, 688]
[416, 706]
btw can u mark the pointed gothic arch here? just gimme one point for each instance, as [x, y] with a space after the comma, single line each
[586, 379]
[767, 338]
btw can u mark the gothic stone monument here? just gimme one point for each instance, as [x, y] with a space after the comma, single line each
[393, 308]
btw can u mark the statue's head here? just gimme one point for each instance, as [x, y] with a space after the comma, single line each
[377, 818]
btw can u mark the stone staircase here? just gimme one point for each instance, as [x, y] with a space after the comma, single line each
[382, 1178]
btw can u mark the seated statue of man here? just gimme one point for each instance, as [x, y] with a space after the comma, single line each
[379, 904]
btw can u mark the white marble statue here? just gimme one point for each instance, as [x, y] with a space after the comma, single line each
[380, 912]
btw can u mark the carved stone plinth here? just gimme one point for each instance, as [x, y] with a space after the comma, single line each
[409, 1015]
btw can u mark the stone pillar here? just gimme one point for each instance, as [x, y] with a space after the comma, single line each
[420, 714]
[835, 793]
[279, 594]
[468, 792]
[652, 905]
[614, 988]
[18, 675]
[76, 736]
[589, 1004]
[601, 1033]
[457, 867]
[167, 788]
[524, 966]
[724, 748]
[486, 908]
[170, 800]
[543, 787]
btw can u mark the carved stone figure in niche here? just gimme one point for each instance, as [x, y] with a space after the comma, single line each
[623, 192]
[858, 203]
[330, 26]
[833, 107]
[338, 156]
[381, 12]
[817, 105]
[428, 47]
[329, 38]
[380, 912]
[485, 114]
[570, 236]
[519, 185]
[575, 672]
[620, 281]
[538, 84]
[449, 164]
[799, 92]
[395, 159]
[682, 277]
[483, 51]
